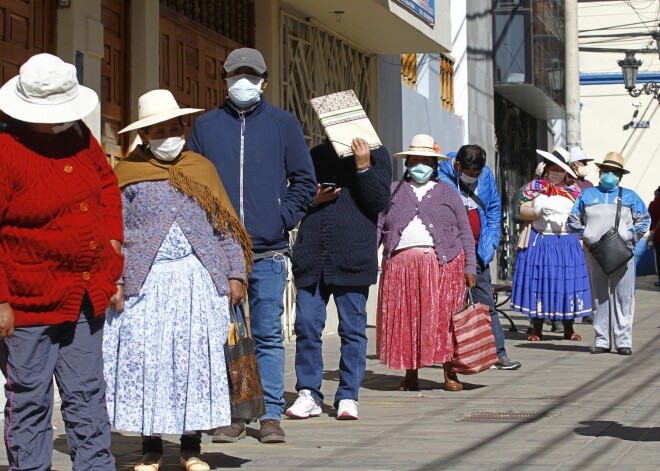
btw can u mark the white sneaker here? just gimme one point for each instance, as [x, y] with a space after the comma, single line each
[304, 407]
[347, 410]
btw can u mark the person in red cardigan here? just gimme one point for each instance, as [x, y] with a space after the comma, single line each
[60, 261]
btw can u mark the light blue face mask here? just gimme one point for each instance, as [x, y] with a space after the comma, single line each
[421, 173]
[609, 180]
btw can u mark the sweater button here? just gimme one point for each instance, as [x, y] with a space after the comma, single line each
[84, 207]
[68, 168]
[92, 245]
[431, 225]
[86, 275]
[173, 210]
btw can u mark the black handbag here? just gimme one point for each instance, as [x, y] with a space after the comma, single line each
[246, 393]
[611, 251]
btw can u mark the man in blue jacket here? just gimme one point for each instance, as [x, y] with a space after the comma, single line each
[468, 173]
[336, 254]
[260, 153]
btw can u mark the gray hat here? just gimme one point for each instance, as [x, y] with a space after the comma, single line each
[245, 57]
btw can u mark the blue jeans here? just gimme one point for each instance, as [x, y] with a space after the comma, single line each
[266, 299]
[311, 302]
[483, 293]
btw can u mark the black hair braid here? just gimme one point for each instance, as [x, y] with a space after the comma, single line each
[398, 187]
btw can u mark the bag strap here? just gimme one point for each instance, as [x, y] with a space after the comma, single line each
[470, 193]
[618, 209]
[468, 295]
[234, 320]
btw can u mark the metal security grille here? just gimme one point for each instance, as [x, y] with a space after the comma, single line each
[316, 62]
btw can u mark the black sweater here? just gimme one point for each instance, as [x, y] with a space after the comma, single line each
[338, 239]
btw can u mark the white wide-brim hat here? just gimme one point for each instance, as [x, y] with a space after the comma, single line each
[560, 157]
[422, 145]
[47, 91]
[578, 155]
[155, 107]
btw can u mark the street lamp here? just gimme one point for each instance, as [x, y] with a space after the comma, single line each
[629, 67]
[555, 75]
[656, 35]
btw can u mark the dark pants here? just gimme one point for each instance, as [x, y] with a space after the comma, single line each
[311, 302]
[483, 293]
[656, 247]
[72, 352]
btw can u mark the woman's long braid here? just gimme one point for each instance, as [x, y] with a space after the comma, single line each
[398, 187]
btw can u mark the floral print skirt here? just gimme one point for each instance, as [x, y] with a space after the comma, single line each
[164, 354]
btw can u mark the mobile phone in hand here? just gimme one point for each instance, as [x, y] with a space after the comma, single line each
[328, 185]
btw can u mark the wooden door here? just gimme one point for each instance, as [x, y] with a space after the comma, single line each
[27, 27]
[191, 59]
[115, 96]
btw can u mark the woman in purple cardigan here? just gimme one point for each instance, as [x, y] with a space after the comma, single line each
[428, 258]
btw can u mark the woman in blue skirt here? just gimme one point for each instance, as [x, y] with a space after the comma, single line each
[550, 280]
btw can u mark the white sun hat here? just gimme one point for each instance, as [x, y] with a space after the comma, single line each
[422, 145]
[560, 157]
[578, 155]
[47, 91]
[155, 107]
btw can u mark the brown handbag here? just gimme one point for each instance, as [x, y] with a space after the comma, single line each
[246, 393]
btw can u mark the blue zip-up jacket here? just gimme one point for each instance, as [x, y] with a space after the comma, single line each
[594, 213]
[264, 164]
[489, 235]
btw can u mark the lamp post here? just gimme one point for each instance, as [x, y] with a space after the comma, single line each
[555, 73]
[629, 67]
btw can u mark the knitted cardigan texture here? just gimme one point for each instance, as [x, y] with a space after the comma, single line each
[441, 211]
[59, 208]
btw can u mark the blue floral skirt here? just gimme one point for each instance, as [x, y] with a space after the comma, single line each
[164, 354]
[550, 280]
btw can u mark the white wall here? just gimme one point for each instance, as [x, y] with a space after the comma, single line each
[606, 108]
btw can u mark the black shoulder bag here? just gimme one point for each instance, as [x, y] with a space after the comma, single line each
[467, 190]
[611, 251]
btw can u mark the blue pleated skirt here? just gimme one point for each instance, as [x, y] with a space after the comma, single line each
[550, 280]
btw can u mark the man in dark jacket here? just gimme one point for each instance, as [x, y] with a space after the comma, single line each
[474, 181]
[335, 254]
[263, 161]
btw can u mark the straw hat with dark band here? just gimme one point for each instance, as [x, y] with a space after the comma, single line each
[560, 157]
[613, 160]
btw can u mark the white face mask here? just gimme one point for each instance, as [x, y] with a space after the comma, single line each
[245, 90]
[556, 177]
[582, 171]
[62, 127]
[468, 179]
[167, 149]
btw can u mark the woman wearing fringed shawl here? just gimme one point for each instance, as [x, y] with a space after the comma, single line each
[550, 280]
[186, 260]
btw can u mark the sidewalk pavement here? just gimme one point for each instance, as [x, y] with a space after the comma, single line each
[563, 410]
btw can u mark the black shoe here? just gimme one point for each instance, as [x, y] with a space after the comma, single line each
[588, 320]
[624, 350]
[597, 350]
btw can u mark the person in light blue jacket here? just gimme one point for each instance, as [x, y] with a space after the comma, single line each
[474, 181]
[593, 214]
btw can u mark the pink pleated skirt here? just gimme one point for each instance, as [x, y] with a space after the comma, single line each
[417, 297]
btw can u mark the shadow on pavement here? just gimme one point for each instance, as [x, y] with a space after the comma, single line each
[543, 345]
[598, 428]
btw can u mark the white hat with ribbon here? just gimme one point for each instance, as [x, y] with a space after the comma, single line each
[155, 107]
[47, 91]
[422, 145]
